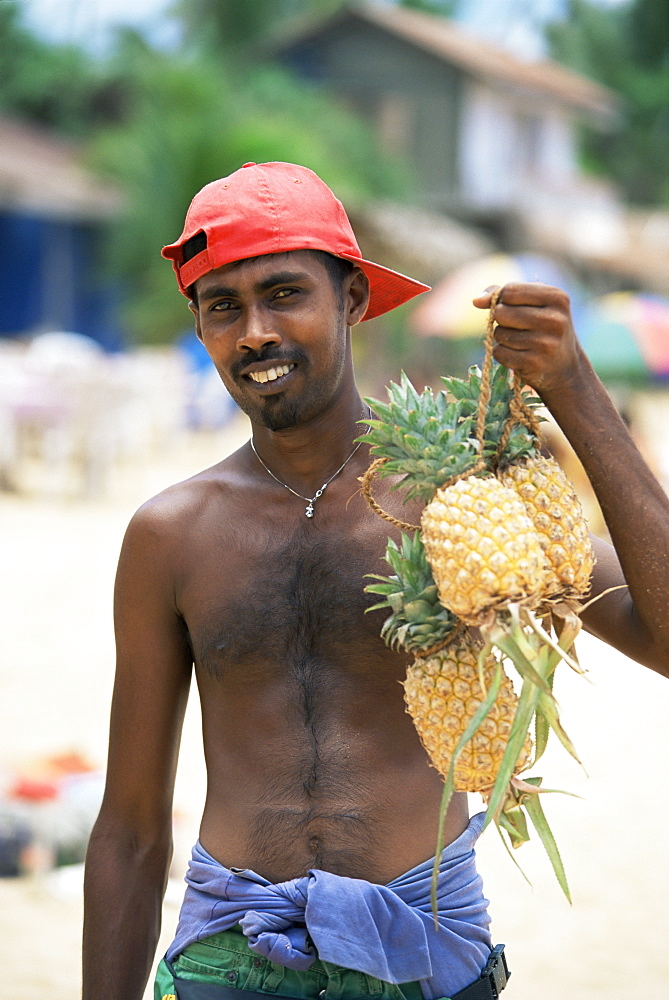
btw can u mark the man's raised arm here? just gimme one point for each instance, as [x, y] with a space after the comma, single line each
[131, 844]
[536, 338]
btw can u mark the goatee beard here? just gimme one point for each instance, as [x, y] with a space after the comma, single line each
[279, 417]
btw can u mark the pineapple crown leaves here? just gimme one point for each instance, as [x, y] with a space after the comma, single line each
[418, 620]
[423, 438]
[428, 438]
[521, 441]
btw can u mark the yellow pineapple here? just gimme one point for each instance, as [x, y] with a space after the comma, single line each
[477, 557]
[483, 548]
[443, 692]
[557, 516]
[513, 451]
[443, 689]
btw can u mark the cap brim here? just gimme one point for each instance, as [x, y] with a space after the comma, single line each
[387, 289]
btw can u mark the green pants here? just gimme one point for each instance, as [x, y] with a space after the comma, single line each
[226, 958]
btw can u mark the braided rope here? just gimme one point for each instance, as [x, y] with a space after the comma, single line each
[486, 372]
[523, 413]
[366, 490]
[519, 413]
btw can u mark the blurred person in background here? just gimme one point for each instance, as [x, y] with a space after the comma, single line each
[311, 874]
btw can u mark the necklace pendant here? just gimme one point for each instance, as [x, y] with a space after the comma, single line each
[319, 493]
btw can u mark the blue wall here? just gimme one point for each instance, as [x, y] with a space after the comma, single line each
[49, 279]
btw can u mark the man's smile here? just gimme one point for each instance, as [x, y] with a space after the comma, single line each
[270, 377]
[271, 374]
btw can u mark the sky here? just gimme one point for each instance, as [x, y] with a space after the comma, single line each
[517, 24]
[88, 22]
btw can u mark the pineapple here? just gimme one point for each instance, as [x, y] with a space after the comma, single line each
[443, 688]
[483, 548]
[443, 692]
[549, 497]
[489, 549]
[467, 715]
[557, 516]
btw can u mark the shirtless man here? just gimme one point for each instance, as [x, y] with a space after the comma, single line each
[316, 777]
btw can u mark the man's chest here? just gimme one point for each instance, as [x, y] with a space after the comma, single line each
[255, 597]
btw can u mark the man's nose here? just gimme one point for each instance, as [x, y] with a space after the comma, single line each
[258, 331]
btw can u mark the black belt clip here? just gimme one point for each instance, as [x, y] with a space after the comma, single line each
[492, 980]
[497, 970]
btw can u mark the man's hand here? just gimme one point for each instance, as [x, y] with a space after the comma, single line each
[535, 336]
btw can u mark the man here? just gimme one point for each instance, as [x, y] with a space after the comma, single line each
[309, 875]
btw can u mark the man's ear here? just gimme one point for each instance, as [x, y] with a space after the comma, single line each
[357, 296]
[196, 315]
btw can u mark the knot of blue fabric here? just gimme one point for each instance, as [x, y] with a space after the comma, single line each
[385, 931]
[353, 923]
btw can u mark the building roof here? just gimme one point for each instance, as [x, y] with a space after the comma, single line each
[43, 173]
[421, 243]
[446, 40]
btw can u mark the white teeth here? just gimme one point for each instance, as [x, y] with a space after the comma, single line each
[271, 374]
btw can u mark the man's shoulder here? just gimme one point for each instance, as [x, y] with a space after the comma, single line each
[181, 506]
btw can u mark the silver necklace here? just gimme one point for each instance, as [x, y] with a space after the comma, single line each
[319, 493]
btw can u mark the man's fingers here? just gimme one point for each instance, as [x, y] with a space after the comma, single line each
[528, 293]
[482, 301]
[518, 338]
[533, 293]
[526, 318]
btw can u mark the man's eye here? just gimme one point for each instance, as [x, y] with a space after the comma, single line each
[283, 293]
[223, 306]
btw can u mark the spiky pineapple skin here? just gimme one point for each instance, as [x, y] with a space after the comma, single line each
[557, 516]
[442, 693]
[482, 547]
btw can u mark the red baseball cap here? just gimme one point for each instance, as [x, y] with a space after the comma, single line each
[265, 208]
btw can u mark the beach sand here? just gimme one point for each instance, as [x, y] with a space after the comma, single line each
[56, 671]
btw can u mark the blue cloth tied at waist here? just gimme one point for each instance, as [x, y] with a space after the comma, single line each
[385, 931]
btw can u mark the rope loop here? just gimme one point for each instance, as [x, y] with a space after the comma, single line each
[366, 489]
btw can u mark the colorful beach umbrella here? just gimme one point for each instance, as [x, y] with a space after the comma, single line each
[447, 310]
[626, 335]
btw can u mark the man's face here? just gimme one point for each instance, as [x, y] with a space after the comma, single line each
[276, 330]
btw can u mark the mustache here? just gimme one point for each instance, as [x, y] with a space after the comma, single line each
[296, 356]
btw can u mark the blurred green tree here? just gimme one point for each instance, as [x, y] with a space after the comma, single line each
[444, 8]
[236, 24]
[191, 117]
[626, 48]
[162, 124]
[58, 86]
